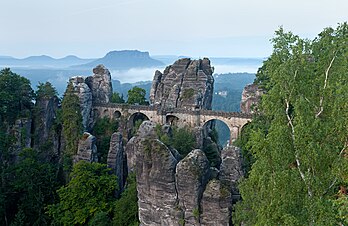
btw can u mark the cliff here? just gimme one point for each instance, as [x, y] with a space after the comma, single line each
[185, 84]
[92, 90]
[175, 191]
[251, 97]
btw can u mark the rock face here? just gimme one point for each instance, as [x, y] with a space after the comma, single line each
[185, 84]
[100, 85]
[250, 98]
[231, 170]
[192, 174]
[44, 118]
[87, 149]
[21, 131]
[175, 191]
[117, 159]
[92, 90]
[155, 174]
[82, 90]
[216, 204]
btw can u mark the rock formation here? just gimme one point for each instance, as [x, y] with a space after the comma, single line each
[192, 174]
[231, 170]
[93, 89]
[45, 115]
[216, 204]
[117, 159]
[100, 85]
[21, 132]
[82, 90]
[250, 98]
[155, 174]
[185, 84]
[87, 149]
[175, 191]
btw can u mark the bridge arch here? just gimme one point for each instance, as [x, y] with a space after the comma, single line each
[134, 121]
[234, 124]
[172, 120]
[219, 131]
[117, 114]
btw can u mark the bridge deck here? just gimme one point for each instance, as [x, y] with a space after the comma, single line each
[177, 110]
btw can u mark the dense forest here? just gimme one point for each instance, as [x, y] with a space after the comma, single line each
[295, 150]
[40, 185]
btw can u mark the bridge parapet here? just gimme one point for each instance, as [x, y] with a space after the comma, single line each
[197, 117]
[127, 106]
[176, 110]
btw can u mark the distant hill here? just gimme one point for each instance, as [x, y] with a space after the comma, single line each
[123, 60]
[42, 61]
[232, 85]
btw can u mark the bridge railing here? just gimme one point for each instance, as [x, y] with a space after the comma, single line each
[127, 106]
[164, 111]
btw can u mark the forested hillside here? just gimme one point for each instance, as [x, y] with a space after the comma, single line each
[298, 143]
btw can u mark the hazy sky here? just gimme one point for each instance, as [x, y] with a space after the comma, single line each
[90, 28]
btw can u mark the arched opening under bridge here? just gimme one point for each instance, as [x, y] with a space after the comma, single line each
[134, 123]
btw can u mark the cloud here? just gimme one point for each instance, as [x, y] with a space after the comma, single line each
[135, 74]
[146, 74]
[222, 69]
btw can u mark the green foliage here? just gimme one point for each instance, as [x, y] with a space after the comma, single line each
[299, 158]
[182, 139]
[188, 93]
[100, 219]
[90, 192]
[45, 90]
[116, 98]
[126, 208]
[30, 185]
[341, 203]
[195, 213]
[102, 130]
[259, 122]
[212, 153]
[72, 120]
[136, 95]
[16, 96]
[136, 126]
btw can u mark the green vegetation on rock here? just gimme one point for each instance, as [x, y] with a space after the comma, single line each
[126, 208]
[182, 139]
[72, 123]
[102, 130]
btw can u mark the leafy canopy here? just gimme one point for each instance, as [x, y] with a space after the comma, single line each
[300, 159]
[16, 96]
[136, 95]
[117, 98]
[90, 191]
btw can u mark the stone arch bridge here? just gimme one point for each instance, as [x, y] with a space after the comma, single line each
[179, 116]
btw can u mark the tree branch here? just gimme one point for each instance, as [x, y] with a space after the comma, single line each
[310, 194]
[325, 85]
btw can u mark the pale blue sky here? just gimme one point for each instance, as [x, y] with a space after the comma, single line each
[90, 28]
